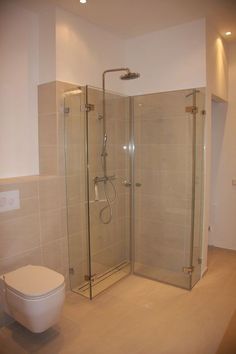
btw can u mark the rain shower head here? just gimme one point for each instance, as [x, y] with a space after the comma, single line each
[130, 76]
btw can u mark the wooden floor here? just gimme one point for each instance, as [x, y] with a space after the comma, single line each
[228, 343]
[140, 316]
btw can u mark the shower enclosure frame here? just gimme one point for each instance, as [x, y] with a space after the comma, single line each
[133, 184]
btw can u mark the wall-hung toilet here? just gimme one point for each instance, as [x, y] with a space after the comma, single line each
[33, 296]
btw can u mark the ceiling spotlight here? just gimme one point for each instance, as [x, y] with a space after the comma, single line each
[228, 33]
[83, 1]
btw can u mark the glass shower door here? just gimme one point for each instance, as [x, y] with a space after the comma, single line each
[108, 191]
[166, 187]
[75, 174]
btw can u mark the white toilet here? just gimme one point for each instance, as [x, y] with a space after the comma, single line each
[33, 296]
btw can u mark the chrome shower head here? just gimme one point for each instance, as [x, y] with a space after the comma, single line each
[130, 76]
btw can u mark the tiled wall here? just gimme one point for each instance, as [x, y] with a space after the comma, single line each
[37, 232]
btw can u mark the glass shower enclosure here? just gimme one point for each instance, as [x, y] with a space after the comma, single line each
[146, 218]
[99, 211]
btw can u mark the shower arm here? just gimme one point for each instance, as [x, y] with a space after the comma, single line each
[104, 90]
[111, 71]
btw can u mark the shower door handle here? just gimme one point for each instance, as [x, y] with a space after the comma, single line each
[138, 184]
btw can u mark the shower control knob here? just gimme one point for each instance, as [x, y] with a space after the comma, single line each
[138, 184]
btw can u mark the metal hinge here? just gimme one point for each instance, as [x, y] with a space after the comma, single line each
[188, 270]
[191, 109]
[66, 110]
[199, 260]
[88, 278]
[87, 107]
[71, 270]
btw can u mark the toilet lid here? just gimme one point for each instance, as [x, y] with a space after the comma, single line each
[33, 281]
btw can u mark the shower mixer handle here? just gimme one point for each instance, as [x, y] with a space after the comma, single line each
[104, 178]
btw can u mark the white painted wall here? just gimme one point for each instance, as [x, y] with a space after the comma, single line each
[18, 96]
[84, 51]
[171, 59]
[223, 196]
[217, 86]
[47, 43]
[217, 63]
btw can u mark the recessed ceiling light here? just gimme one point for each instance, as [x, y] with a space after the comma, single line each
[83, 1]
[228, 33]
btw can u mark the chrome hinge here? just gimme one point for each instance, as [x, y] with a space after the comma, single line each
[88, 278]
[87, 107]
[188, 270]
[199, 260]
[191, 109]
[71, 270]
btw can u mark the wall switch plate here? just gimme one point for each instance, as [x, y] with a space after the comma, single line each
[9, 200]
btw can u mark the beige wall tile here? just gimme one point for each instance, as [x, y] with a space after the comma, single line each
[77, 248]
[62, 87]
[76, 218]
[19, 235]
[47, 98]
[74, 159]
[28, 206]
[55, 255]
[75, 129]
[74, 103]
[52, 225]
[154, 207]
[75, 187]
[61, 161]
[33, 257]
[61, 130]
[48, 163]
[52, 193]
[28, 189]
[48, 129]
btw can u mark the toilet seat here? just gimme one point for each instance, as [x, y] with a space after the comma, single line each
[34, 298]
[33, 282]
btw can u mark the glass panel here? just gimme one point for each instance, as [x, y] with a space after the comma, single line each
[199, 180]
[163, 172]
[75, 146]
[109, 194]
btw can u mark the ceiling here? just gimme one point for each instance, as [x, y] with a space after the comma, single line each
[129, 18]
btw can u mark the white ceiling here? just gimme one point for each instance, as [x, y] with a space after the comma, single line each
[128, 18]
